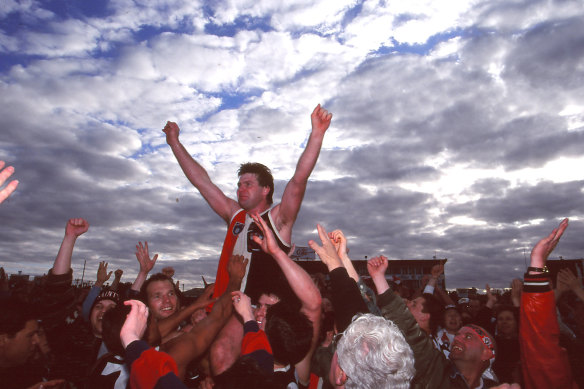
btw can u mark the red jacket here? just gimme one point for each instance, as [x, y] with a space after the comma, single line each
[544, 363]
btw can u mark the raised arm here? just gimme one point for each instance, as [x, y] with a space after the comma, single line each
[545, 363]
[294, 192]
[567, 280]
[302, 285]
[346, 296]
[197, 175]
[74, 229]
[117, 278]
[146, 264]
[376, 267]
[11, 187]
[102, 277]
[340, 242]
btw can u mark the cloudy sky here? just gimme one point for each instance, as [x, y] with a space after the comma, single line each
[458, 127]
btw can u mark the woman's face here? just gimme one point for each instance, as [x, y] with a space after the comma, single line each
[506, 324]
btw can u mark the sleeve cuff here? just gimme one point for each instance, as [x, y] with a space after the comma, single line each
[250, 326]
[536, 283]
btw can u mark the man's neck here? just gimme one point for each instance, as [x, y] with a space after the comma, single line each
[261, 208]
[471, 374]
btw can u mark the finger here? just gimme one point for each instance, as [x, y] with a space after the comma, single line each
[322, 234]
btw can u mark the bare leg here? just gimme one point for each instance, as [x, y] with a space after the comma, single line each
[226, 348]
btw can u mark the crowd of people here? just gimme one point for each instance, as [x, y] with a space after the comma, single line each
[267, 323]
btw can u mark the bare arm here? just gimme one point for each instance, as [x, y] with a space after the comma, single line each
[11, 187]
[74, 229]
[194, 343]
[197, 175]
[340, 242]
[302, 285]
[294, 192]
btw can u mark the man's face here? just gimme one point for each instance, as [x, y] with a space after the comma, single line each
[506, 323]
[468, 346]
[265, 301]
[162, 300]
[249, 192]
[96, 316]
[416, 306]
[22, 346]
[474, 306]
[452, 320]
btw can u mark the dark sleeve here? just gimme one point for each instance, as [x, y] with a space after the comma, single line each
[484, 319]
[432, 367]
[346, 298]
[255, 344]
[55, 301]
[151, 369]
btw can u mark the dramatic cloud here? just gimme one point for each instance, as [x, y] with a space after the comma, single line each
[458, 126]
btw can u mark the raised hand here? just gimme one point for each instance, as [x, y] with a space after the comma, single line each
[377, 266]
[168, 271]
[545, 246]
[102, 274]
[437, 270]
[136, 322]
[11, 187]
[236, 267]
[340, 242]
[118, 274]
[567, 278]
[76, 227]
[327, 252]
[321, 119]
[242, 304]
[171, 130]
[516, 289]
[143, 257]
[491, 297]
[268, 242]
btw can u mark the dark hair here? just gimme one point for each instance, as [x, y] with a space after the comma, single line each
[13, 316]
[433, 307]
[153, 278]
[243, 374]
[289, 332]
[263, 174]
[112, 323]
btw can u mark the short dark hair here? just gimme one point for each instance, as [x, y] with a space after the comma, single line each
[13, 316]
[112, 323]
[153, 278]
[289, 332]
[245, 373]
[263, 174]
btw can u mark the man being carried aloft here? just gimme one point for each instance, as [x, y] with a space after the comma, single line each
[254, 195]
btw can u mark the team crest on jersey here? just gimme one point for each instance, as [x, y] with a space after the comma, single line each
[237, 228]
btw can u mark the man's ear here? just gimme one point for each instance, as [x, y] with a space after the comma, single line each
[265, 190]
[486, 354]
[340, 376]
